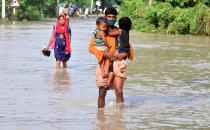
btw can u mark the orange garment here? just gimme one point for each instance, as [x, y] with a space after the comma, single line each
[100, 81]
[112, 43]
[130, 54]
[99, 54]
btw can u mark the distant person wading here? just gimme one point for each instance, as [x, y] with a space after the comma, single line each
[60, 41]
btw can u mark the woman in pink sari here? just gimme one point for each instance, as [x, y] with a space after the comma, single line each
[60, 41]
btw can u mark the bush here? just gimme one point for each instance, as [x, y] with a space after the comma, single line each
[182, 17]
[181, 23]
[29, 13]
[200, 19]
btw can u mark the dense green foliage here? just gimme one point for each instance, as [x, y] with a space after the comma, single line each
[169, 16]
[162, 16]
[37, 9]
[33, 9]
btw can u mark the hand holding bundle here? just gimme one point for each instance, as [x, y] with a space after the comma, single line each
[46, 52]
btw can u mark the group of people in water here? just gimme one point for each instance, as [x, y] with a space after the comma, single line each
[109, 44]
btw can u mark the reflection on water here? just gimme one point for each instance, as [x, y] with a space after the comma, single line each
[62, 80]
[168, 83]
[110, 120]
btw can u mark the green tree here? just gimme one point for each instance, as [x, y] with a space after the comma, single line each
[169, 16]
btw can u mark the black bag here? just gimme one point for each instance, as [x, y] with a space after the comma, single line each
[46, 52]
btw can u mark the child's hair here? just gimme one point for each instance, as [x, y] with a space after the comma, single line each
[101, 20]
[125, 23]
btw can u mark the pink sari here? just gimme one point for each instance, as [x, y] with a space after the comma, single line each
[58, 28]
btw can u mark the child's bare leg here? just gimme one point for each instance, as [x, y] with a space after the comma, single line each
[106, 68]
[102, 66]
[58, 64]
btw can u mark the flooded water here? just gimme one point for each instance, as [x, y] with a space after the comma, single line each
[168, 86]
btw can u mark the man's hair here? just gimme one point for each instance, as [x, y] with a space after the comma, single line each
[111, 10]
[100, 20]
[125, 23]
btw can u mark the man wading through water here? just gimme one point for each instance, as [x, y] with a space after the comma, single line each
[117, 82]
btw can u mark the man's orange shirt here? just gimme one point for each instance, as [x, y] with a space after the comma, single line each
[99, 54]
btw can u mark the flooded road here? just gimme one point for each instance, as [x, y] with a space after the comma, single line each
[168, 86]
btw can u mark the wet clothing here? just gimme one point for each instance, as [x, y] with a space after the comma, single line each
[119, 68]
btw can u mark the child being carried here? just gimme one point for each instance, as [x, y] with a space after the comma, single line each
[101, 43]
